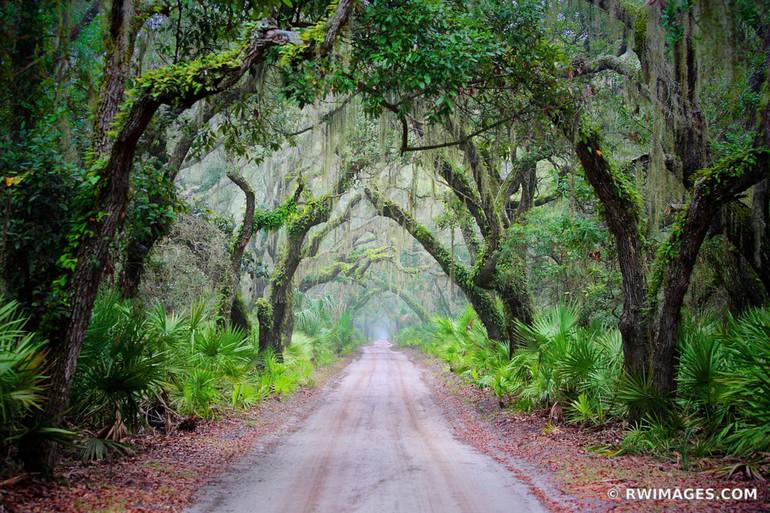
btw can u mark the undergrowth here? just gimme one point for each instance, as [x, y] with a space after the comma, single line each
[722, 404]
[150, 368]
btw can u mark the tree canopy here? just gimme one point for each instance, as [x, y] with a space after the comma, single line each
[287, 161]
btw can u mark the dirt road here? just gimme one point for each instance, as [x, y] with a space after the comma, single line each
[377, 444]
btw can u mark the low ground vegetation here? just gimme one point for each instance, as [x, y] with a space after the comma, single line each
[152, 369]
[573, 373]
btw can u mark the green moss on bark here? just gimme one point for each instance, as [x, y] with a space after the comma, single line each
[264, 314]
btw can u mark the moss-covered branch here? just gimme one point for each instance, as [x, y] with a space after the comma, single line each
[462, 188]
[141, 242]
[298, 224]
[675, 261]
[314, 244]
[482, 301]
[272, 220]
[352, 266]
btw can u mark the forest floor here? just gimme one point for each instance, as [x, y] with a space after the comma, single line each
[559, 465]
[388, 430]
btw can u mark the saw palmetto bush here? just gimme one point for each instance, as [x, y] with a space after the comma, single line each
[134, 358]
[169, 328]
[742, 385]
[330, 331]
[21, 373]
[562, 362]
[722, 405]
[464, 345]
[120, 368]
[143, 366]
[556, 361]
[210, 364]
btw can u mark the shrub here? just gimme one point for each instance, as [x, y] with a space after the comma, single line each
[722, 405]
[21, 372]
[119, 369]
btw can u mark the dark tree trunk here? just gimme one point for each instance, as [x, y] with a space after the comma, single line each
[714, 188]
[239, 317]
[117, 70]
[64, 344]
[232, 301]
[621, 212]
[271, 336]
[137, 251]
[743, 227]
[656, 320]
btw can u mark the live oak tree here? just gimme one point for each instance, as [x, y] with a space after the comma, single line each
[274, 312]
[524, 62]
[123, 116]
[653, 302]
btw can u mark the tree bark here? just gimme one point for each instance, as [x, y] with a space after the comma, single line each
[231, 297]
[499, 270]
[745, 228]
[117, 70]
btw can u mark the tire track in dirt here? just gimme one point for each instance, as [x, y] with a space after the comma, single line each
[378, 443]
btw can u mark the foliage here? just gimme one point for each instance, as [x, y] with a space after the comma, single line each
[557, 362]
[416, 48]
[573, 258]
[21, 372]
[723, 384]
[135, 359]
[153, 203]
[732, 379]
[271, 220]
[436, 49]
[565, 363]
[37, 205]
[188, 265]
[510, 74]
[119, 368]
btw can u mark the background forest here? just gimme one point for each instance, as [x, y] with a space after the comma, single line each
[567, 201]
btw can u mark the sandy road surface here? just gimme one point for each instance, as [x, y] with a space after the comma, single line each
[377, 444]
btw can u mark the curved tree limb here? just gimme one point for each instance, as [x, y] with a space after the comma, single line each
[481, 300]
